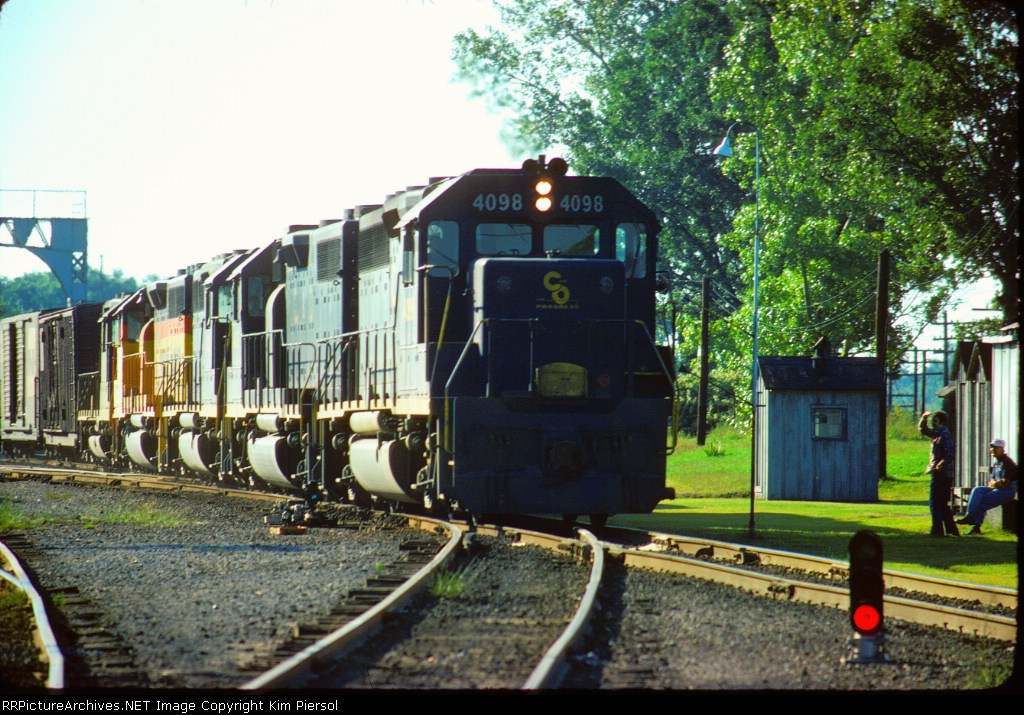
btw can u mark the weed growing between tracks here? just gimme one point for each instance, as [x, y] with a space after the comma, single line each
[451, 583]
[12, 598]
[142, 515]
[989, 675]
[11, 517]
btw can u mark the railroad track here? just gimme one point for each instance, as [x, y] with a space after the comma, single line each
[101, 624]
[514, 627]
[963, 607]
[51, 668]
[783, 577]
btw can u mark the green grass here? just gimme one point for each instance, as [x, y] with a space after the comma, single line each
[139, 515]
[713, 501]
[13, 517]
[12, 598]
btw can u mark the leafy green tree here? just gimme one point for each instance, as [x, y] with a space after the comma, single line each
[888, 124]
[41, 290]
[606, 80]
[883, 124]
[622, 87]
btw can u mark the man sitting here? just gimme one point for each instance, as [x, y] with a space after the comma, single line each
[1001, 489]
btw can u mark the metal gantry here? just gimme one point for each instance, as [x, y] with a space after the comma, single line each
[50, 224]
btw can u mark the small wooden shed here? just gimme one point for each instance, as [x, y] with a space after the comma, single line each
[818, 427]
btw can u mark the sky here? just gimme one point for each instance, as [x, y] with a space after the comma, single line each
[196, 127]
[188, 128]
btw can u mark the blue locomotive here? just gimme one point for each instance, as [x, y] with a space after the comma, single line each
[483, 343]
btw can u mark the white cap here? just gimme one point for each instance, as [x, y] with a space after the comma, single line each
[998, 443]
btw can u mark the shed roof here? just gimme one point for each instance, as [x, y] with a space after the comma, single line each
[832, 373]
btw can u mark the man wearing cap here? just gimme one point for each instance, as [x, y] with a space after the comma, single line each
[1002, 488]
[940, 467]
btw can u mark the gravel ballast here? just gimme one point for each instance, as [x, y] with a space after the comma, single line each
[660, 631]
[200, 602]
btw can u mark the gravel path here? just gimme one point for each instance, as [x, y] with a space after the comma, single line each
[200, 600]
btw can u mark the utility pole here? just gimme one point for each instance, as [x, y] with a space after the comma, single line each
[702, 389]
[881, 348]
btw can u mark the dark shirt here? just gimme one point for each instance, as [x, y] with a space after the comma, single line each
[1004, 468]
[942, 447]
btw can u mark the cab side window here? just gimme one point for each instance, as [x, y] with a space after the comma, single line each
[631, 248]
[443, 248]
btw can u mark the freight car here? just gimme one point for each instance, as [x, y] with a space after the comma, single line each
[41, 356]
[482, 343]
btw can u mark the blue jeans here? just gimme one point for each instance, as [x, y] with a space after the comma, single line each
[939, 496]
[984, 498]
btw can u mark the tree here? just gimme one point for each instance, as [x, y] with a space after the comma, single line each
[623, 86]
[883, 124]
[41, 290]
[606, 80]
[893, 124]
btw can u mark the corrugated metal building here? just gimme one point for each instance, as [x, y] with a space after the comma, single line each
[985, 383]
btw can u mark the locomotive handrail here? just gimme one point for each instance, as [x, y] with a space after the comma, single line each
[88, 391]
[361, 339]
[313, 363]
[174, 379]
[446, 435]
[672, 389]
[332, 360]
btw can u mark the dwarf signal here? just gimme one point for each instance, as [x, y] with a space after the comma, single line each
[867, 592]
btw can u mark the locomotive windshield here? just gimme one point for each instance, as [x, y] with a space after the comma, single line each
[568, 240]
[504, 239]
[443, 247]
[573, 240]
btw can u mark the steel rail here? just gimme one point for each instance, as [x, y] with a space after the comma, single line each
[829, 568]
[356, 631]
[154, 482]
[45, 637]
[551, 669]
[928, 614]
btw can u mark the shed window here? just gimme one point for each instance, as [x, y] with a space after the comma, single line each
[829, 422]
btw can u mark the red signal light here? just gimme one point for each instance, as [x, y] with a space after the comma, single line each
[867, 620]
[867, 585]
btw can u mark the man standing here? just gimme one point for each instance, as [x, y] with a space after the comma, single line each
[943, 456]
[1001, 489]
